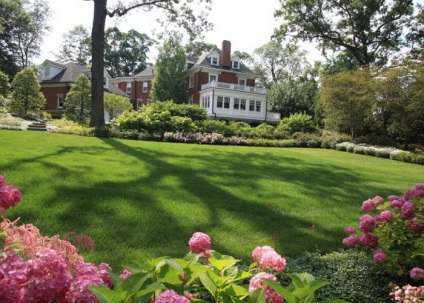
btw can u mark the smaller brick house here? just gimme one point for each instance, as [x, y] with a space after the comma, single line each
[56, 80]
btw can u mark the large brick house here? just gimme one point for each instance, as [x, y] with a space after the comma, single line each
[56, 80]
[216, 81]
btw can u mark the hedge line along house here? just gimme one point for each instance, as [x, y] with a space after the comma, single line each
[56, 80]
[216, 81]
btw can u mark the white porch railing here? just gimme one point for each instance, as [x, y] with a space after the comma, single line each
[236, 87]
[273, 116]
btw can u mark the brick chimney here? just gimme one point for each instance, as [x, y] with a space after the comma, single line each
[225, 58]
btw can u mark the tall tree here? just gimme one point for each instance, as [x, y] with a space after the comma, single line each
[75, 47]
[276, 63]
[179, 12]
[196, 48]
[169, 82]
[31, 27]
[347, 99]
[415, 37]
[125, 53]
[367, 29]
[400, 106]
[26, 95]
[77, 103]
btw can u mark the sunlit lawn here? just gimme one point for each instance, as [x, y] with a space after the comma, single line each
[135, 197]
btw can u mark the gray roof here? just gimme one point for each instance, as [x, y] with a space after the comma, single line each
[204, 61]
[148, 71]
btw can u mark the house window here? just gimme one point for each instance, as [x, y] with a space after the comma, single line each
[60, 101]
[128, 87]
[236, 103]
[227, 102]
[255, 106]
[243, 104]
[236, 64]
[242, 82]
[220, 102]
[206, 102]
[214, 61]
[191, 81]
[145, 87]
[213, 77]
[46, 71]
[190, 100]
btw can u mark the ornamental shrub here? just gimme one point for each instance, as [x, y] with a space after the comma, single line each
[295, 123]
[394, 236]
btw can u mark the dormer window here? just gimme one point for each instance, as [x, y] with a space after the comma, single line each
[46, 72]
[214, 61]
[236, 64]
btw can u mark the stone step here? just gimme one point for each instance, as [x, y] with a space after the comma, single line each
[37, 126]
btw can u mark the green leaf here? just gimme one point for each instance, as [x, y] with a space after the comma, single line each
[208, 283]
[258, 296]
[297, 282]
[221, 264]
[174, 264]
[106, 295]
[134, 282]
[236, 291]
[286, 294]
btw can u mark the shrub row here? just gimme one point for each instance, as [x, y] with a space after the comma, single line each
[381, 152]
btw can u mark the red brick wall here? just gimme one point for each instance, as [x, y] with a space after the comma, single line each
[225, 58]
[51, 96]
[228, 78]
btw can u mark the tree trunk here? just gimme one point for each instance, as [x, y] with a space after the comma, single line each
[97, 118]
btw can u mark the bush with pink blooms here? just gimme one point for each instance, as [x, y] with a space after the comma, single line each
[393, 232]
[37, 269]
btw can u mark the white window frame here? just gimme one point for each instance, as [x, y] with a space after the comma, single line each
[214, 61]
[128, 87]
[206, 102]
[236, 104]
[241, 80]
[60, 99]
[220, 102]
[46, 72]
[213, 75]
[145, 87]
[227, 102]
[236, 64]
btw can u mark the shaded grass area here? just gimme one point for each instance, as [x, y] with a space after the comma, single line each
[137, 197]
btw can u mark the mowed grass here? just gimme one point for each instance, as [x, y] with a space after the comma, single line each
[138, 197]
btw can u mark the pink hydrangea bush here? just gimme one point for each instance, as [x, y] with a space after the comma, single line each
[395, 233]
[407, 294]
[267, 257]
[200, 242]
[170, 296]
[37, 269]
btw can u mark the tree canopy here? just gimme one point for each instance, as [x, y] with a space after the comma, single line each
[179, 12]
[369, 30]
[75, 47]
[169, 82]
[26, 95]
[77, 103]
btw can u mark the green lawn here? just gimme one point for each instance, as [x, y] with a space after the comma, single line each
[135, 197]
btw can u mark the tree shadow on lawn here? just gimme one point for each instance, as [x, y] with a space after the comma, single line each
[138, 222]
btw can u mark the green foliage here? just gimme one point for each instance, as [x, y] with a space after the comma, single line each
[347, 99]
[115, 104]
[75, 47]
[125, 53]
[295, 123]
[302, 289]
[350, 275]
[214, 126]
[330, 139]
[170, 73]
[4, 85]
[77, 103]
[307, 140]
[194, 112]
[366, 29]
[26, 95]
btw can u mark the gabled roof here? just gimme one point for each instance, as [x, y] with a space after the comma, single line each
[204, 61]
[69, 73]
[148, 71]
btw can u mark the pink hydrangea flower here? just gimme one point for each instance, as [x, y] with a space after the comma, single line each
[416, 224]
[417, 273]
[350, 230]
[170, 296]
[396, 203]
[259, 251]
[367, 205]
[385, 216]
[407, 210]
[368, 240]
[271, 295]
[351, 241]
[125, 274]
[366, 223]
[418, 191]
[9, 196]
[13, 273]
[271, 259]
[378, 200]
[200, 242]
[380, 256]
[392, 198]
